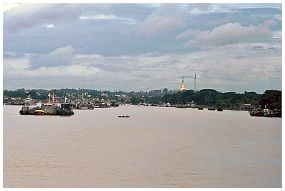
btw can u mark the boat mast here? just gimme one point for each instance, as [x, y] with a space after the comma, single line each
[49, 97]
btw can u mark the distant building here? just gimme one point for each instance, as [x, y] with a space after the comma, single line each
[182, 85]
[246, 106]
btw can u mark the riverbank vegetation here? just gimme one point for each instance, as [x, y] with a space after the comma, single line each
[206, 97]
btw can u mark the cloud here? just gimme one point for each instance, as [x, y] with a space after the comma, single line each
[9, 6]
[18, 72]
[65, 71]
[49, 26]
[190, 33]
[90, 45]
[221, 69]
[22, 67]
[166, 17]
[206, 8]
[15, 65]
[232, 33]
[108, 17]
[26, 16]
[58, 57]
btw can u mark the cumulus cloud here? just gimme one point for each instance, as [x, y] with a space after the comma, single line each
[219, 69]
[89, 45]
[206, 8]
[29, 15]
[60, 56]
[9, 6]
[232, 33]
[18, 72]
[166, 17]
[190, 33]
[15, 65]
[21, 67]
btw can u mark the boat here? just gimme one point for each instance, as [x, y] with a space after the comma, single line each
[257, 113]
[211, 108]
[50, 109]
[277, 113]
[60, 109]
[266, 113]
[219, 109]
[39, 111]
[124, 116]
[200, 107]
[271, 113]
[47, 109]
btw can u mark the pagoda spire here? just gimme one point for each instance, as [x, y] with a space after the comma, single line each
[182, 85]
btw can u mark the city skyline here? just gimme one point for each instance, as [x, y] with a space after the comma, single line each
[133, 47]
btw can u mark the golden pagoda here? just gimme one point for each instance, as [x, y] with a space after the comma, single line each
[182, 85]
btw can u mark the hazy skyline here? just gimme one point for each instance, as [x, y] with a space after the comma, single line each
[231, 47]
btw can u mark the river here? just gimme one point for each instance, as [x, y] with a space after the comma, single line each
[155, 147]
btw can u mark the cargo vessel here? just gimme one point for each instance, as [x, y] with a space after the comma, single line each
[46, 108]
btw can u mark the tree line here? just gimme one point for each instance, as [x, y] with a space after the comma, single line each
[206, 97]
[229, 100]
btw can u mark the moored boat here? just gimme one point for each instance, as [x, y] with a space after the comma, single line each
[257, 113]
[266, 113]
[200, 108]
[219, 109]
[60, 109]
[47, 109]
[39, 112]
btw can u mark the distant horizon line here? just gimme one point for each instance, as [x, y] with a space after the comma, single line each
[128, 91]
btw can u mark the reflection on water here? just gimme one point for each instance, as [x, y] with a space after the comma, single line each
[155, 147]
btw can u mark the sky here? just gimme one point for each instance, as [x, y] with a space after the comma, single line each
[140, 47]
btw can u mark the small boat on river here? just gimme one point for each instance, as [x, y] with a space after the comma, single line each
[126, 116]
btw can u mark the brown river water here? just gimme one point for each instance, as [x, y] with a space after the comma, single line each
[155, 147]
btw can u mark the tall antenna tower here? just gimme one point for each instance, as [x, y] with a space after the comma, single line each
[195, 84]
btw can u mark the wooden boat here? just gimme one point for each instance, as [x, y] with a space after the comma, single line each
[124, 116]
